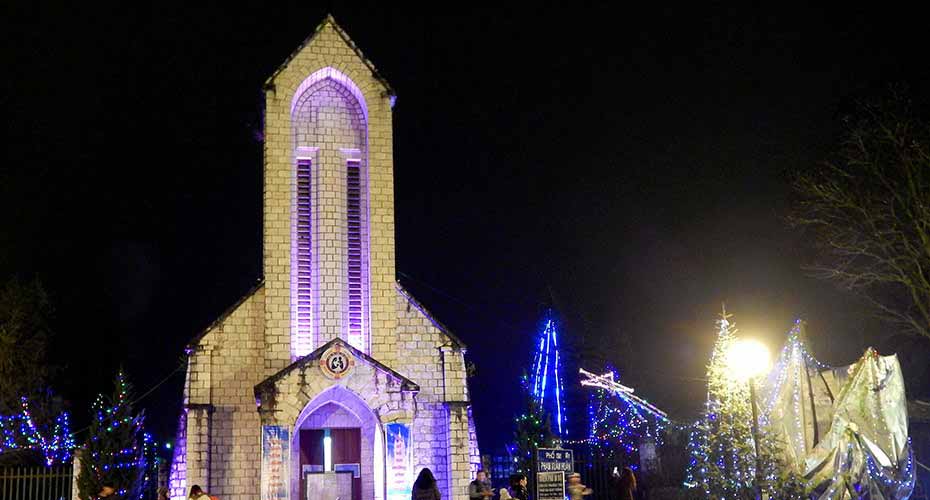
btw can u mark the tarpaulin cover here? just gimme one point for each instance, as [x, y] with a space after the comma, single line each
[844, 429]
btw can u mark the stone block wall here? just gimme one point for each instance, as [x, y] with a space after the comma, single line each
[445, 435]
[223, 433]
[430, 436]
[474, 457]
[459, 449]
[177, 475]
[421, 342]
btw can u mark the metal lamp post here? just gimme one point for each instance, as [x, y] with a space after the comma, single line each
[746, 360]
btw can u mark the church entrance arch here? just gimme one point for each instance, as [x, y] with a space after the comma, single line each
[337, 445]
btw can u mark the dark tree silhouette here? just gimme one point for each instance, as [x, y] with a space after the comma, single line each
[868, 211]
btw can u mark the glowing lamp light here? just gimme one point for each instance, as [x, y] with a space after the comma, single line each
[327, 453]
[747, 359]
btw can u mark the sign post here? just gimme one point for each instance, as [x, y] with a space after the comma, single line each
[550, 485]
[551, 466]
[555, 459]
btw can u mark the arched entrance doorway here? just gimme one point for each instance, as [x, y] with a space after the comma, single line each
[337, 445]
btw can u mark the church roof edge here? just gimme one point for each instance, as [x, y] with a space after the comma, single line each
[345, 37]
[438, 324]
[225, 314]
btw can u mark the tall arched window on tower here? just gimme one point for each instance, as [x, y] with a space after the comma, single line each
[355, 265]
[329, 239]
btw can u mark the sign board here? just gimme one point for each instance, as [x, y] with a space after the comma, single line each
[550, 485]
[648, 459]
[554, 460]
[398, 461]
[275, 455]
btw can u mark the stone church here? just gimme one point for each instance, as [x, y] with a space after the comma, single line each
[328, 379]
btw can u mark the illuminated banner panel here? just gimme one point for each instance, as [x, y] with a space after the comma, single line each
[399, 448]
[275, 451]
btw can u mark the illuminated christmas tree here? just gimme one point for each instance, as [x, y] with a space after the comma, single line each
[546, 377]
[533, 429]
[26, 433]
[723, 457]
[118, 451]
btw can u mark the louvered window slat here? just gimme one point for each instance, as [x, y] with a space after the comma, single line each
[354, 244]
[304, 257]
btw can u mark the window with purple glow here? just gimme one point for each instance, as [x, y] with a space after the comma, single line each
[355, 269]
[304, 259]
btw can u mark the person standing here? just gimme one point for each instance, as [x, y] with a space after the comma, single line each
[518, 489]
[197, 493]
[480, 488]
[626, 485]
[576, 490]
[107, 491]
[424, 488]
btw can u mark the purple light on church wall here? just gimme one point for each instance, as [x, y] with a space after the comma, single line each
[177, 475]
[335, 75]
[302, 261]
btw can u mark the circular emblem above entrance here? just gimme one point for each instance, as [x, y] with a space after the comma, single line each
[336, 362]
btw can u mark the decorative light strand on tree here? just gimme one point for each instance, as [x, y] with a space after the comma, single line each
[532, 429]
[20, 432]
[618, 420]
[117, 450]
[723, 460]
[546, 367]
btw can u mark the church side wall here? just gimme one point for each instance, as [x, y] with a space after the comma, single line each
[223, 428]
[442, 437]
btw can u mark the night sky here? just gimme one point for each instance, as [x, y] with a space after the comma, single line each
[628, 166]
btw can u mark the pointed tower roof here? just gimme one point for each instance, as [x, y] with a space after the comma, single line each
[331, 21]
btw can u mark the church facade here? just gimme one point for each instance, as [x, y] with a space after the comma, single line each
[328, 378]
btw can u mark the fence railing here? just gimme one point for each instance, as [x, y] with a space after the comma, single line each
[36, 483]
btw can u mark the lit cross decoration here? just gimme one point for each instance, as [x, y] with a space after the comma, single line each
[607, 382]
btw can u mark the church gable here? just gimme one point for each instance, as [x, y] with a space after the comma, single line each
[282, 396]
[313, 360]
[330, 23]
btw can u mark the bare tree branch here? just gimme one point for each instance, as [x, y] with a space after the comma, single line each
[868, 211]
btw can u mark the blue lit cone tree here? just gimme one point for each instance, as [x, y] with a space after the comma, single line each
[723, 458]
[116, 449]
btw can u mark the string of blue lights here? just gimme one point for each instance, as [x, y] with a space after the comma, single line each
[546, 366]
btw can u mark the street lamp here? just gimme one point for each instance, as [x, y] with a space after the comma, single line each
[746, 360]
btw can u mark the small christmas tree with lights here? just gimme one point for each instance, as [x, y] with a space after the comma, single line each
[533, 429]
[42, 434]
[117, 448]
[723, 457]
